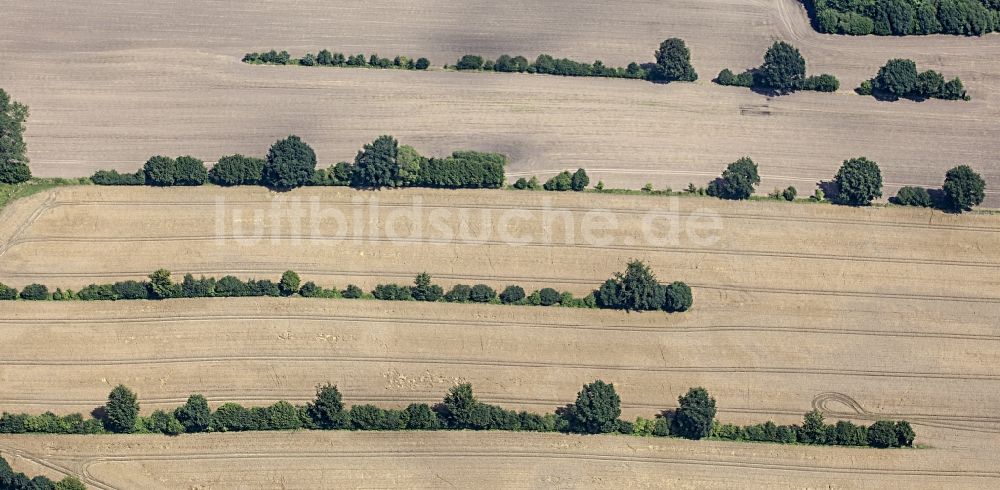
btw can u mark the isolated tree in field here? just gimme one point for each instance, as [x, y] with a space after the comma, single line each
[783, 70]
[290, 163]
[963, 188]
[13, 151]
[160, 171]
[376, 166]
[580, 180]
[695, 414]
[678, 297]
[596, 410]
[289, 284]
[673, 62]
[859, 181]
[897, 77]
[194, 415]
[327, 410]
[190, 171]
[738, 181]
[121, 410]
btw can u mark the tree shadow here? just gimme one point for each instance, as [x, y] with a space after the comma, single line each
[831, 191]
[99, 413]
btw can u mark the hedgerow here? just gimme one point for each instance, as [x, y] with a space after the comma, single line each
[904, 17]
[597, 410]
[783, 71]
[899, 78]
[327, 58]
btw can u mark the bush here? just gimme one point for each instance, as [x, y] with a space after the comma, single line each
[98, 292]
[678, 297]
[897, 77]
[424, 290]
[131, 290]
[738, 181]
[913, 196]
[549, 297]
[464, 170]
[231, 287]
[726, 77]
[352, 292]
[165, 423]
[512, 295]
[422, 64]
[121, 410]
[673, 62]
[392, 292]
[789, 194]
[596, 410]
[783, 70]
[580, 180]
[7, 293]
[470, 62]
[112, 177]
[376, 166]
[821, 83]
[190, 171]
[289, 283]
[963, 188]
[160, 171]
[561, 182]
[695, 414]
[882, 434]
[194, 415]
[460, 293]
[237, 170]
[419, 416]
[481, 293]
[290, 163]
[35, 292]
[859, 181]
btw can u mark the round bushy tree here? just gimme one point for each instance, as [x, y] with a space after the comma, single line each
[290, 163]
[673, 62]
[859, 181]
[160, 171]
[35, 292]
[549, 296]
[190, 171]
[678, 297]
[121, 411]
[512, 294]
[596, 410]
[695, 414]
[459, 293]
[327, 411]
[481, 293]
[422, 64]
[913, 196]
[237, 170]
[738, 181]
[783, 70]
[13, 151]
[963, 188]
[7, 293]
[289, 284]
[424, 290]
[376, 165]
[194, 415]
[580, 180]
[897, 77]
[639, 289]
[882, 434]
[904, 434]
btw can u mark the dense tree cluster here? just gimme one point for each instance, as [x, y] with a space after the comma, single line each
[164, 171]
[814, 430]
[904, 17]
[899, 78]
[328, 58]
[15, 480]
[13, 151]
[564, 181]
[962, 190]
[637, 289]
[783, 71]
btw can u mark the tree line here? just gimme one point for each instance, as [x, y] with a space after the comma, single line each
[327, 58]
[597, 410]
[904, 17]
[783, 71]
[15, 480]
[291, 163]
[899, 78]
[858, 182]
[636, 289]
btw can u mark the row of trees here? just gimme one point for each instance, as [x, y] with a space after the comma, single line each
[13, 151]
[564, 181]
[327, 58]
[899, 78]
[783, 71]
[672, 63]
[618, 293]
[597, 410]
[904, 17]
[859, 182]
[291, 163]
[15, 480]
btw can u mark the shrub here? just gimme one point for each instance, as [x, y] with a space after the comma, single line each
[904, 434]
[460, 293]
[420, 417]
[673, 62]
[963, 188]
[194, 415]
[131, 290]
[35, 292]
[190, 171]
[464, 170]
[790, 193]
[561, 182]
[160, 171]
[112, 177]
[290, 163]
[327, 410]
[783, 70]
[913, 196]
[422, 64]
[859, 181]
[596, 410]
[678, 297]
[521, 184]
[470, 62]
[196, 288]
[97, 292]
[695, 414]
[375, 166]
[392, 292]
[738, 181]
[821, 83]
[481, 293]
[882, 434]
[231, 287]
[512, 294]
[233, 417]
[549, 296]
[13, 151]
[237, 170]
[580, 181]
[897, 77]
[424, 290]
[726, 77]
[165, 423]
[289, 283]
[352, 292]
[7, 293]
[121, 410]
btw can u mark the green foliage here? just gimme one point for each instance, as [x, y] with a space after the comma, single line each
[327, 410]
[963, 188]
[13, 151]
[160, 171]
[673, 62]
[194, 415]
[165, 423]
[190, 171]
[161, 286]
[289, 284]
[859, 181]
[424, 290]
[596, 410]
[726, 77]
[899, 78]
[695, 414]
[352, 292]
[459, 293]
[913, 196]
[408, 163]
[464, 170]
[548, 297]
[790, 193]
[419, 416]
[35, 292]
[738, 181]
[904, 17]
[375, 166]
[783, 70]
[512, 295]
[121, 410]
[561, 182]
[237, 170]
[481, 293]
[7, 293]
[882, 434]
[904, 434]
[580, 180]
[422, 64]
[70, 483]
[392, 292]
[290, 163]
[821, 83]
[112, 177]
[678, 297]
[470, 62]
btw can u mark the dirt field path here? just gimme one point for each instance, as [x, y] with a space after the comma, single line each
[121, 82]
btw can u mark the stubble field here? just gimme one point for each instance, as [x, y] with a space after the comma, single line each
[862, 313]
[123, 81]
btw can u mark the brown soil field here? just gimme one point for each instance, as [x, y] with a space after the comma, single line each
[495, 460]
[862, 313]
[111, 83]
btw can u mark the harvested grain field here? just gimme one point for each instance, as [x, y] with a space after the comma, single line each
[464, 460]
[111, 83]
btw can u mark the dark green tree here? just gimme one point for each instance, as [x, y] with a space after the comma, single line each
[121, 411]
[424, 290]
[549, 297]
[783, 70]
[813, 428]
[904, 434]
[859, 181]
[237, 170]
[324, 57]
[160, 171]
[882, 434]
[422, 64]
[13, 151]
[190, 171]
[580, 180]
[897, 77]
[738, 181]
[913, 196]
[512, 294]
[165, 423]
[678, 297]
[639, 288]
[376, 165]
[470, 62]
[289, 284]
[35, 292]
[459, 293]
[327, 410]
[290, 163]
[673, 62]
[596, 410]
[194, 415]
[963, 188]
[459, 406]
[695, 414]
[481, 293]
[561, 182]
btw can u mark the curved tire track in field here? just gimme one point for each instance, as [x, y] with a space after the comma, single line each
[49, 203]
[47, 463]
[824, 402]
[396, 320]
